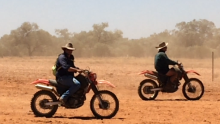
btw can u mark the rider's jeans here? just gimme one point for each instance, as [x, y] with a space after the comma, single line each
[71, 82]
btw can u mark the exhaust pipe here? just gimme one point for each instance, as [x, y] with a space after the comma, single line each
[43, 87]
[150, 76]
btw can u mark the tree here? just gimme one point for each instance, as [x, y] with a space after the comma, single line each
[98, 31]
[103, 36]
[30, 37]
[194, 32]
[7, 47]
[64, 34]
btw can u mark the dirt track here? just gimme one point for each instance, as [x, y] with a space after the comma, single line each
[16, 93]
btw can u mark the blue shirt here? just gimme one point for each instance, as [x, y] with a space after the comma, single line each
[162, 62]
[65, 63]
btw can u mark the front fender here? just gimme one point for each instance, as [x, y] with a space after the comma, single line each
[142, 72]
[102, 82]
[192, 71]
[106, 82]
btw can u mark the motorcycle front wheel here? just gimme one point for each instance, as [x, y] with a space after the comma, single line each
[104, 104]
[38, 104]
[193, 89]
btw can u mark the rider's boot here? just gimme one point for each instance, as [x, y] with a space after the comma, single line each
[165, 86]
[63, 102]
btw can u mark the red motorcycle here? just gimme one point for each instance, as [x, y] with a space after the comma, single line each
[148, 89]
[104, 103]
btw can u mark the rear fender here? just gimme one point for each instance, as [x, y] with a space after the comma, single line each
[149, 74]
[41, 81]
[192, 71]
[146, 72]
[38, 84]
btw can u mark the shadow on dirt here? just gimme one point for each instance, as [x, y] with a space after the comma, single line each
[85, 118]
[171, 100]
[179, 100]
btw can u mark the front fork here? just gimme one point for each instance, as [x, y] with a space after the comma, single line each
[95, 90]
[186, 78]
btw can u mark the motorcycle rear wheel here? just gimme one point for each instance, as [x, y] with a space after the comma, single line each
[34, 103]
[106, 104]
[144, 89]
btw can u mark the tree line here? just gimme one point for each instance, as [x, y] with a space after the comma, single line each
[197, 39]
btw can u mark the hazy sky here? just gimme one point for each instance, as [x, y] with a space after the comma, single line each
[135, 18]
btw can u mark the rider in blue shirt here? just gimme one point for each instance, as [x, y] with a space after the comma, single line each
[65, 72]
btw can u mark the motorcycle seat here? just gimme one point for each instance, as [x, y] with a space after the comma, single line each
[163, 78]
[155, 73]
[53, 82]
[56, 84]
[159, 74]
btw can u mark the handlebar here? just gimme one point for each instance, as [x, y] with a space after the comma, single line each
[180, 65]
[85, 72]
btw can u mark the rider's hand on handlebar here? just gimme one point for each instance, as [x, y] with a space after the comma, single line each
[79, 70]
[179, 63]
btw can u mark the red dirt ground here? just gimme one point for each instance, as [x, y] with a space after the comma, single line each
[16, 74]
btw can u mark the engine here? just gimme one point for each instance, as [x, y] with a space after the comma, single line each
[76, 102]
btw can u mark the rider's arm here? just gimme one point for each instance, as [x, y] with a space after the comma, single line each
[73, 62]
[169, 61]
[74, 68]
[66, 66]
[71, 69]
